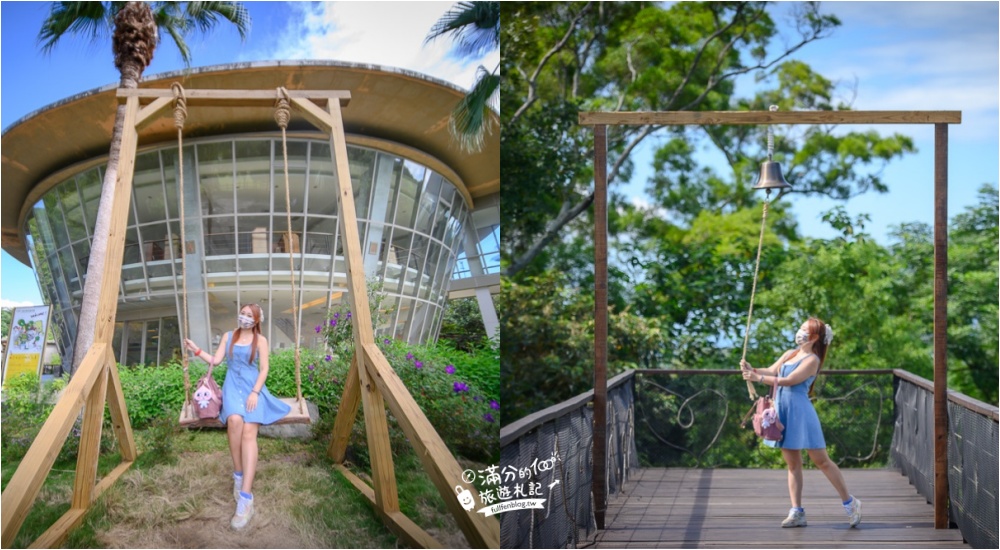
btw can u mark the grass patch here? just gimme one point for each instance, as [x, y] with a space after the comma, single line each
[184, 499]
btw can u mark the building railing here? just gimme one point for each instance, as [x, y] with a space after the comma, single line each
[565, 431]
[972, 454]
[691, 418]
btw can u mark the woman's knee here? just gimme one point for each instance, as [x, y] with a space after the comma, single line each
[234, 422]
[250, 429]
[821, 459]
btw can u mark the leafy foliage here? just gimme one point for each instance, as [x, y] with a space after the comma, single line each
[463, 324]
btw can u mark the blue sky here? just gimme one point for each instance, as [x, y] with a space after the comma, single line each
[382, 33]
[901, 55]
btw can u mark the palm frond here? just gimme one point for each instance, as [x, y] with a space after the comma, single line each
[205, 15]
[93, 20]
[473, 26]
[470, 120]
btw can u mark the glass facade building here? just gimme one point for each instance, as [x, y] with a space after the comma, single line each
[410, 221]
[428, 212]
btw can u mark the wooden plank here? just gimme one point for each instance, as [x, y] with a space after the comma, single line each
[599, 469]
[90, 442]
[188, 419]
[701, 118]
[346, 414]
[681, 507]
[120, 422]
[379, 448]
[438, 462]
[357, 294]
[23, 487]
[314, 114]
[403, 526]
[358, 483]
[107, 306]
[110, 479]
[698, 372]
[941, 326]
[54, 536]
[230, 98]
[151, 112]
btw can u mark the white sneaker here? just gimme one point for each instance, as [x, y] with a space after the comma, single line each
[244, 511]
[795, 519]
[853, 511]
[237, 486]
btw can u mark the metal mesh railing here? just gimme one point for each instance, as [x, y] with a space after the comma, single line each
[566, 432]
[972, 457]
[692, 419]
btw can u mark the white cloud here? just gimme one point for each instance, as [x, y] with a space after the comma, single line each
[381, 33]
[14, 303]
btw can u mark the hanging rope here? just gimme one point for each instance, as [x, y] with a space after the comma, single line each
[180, 115]
[756, 268]
[282, 114]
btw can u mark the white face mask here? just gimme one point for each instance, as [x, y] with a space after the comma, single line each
[801, 337]
[245, 321]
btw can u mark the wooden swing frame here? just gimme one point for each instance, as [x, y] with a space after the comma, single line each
[371, 381]
[601, 120]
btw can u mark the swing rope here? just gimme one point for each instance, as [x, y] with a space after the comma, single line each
[760, 244]
[180, 115]
[282, 114]
[753, 293]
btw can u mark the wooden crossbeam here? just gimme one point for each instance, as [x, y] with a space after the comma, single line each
[236, 98]
[346, 414]
[701, 118]
[400, 524]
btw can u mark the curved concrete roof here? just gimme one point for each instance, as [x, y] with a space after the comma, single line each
[386, 103]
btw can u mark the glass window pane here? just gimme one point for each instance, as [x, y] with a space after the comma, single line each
[90, 188]
[362, 166]
[322, 197]
[56, 222]
[147, 185]
[152, 334]
[220, 239]
[215, 173]
[170, 342]
[296, 177]
[253, 176]
[409, 189]
[135, 331]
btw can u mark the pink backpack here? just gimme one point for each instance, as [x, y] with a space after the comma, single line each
[207, 398]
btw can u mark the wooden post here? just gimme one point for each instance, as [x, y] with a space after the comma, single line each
[346, 413]
[941, 326]
[90, 441]
[600, 458]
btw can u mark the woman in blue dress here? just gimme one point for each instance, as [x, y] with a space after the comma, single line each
[794, 374]
[246, 403]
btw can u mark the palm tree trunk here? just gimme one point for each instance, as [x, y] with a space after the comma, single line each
[87, 323]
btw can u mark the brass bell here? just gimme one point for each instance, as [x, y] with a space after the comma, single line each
[770, 177]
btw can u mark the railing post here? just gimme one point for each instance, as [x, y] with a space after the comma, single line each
[940, 326]
[600, 458]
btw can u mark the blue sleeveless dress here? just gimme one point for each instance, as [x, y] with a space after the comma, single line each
[240, 379]
[797, 414]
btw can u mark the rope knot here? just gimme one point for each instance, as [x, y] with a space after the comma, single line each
[180, 105]
[282, 108]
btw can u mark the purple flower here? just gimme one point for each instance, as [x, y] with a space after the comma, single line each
[476, 398]
[488, 417]
[409, 356]
[319, 328]
[329, 358]
[348, 314]
[418, 364]
[313, 367]
[450, 369]
[311, 379]
[461, 387]
[333, 322]
[494, 405]
[336, 315]
[386, 341]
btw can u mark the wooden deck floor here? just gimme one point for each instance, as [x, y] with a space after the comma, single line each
[723, 508]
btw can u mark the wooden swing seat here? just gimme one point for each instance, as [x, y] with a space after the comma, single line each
[295, 416]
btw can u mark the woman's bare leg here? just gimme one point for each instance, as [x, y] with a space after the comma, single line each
[234, 429]
[830, 470]
[249, 455]
[793, 458]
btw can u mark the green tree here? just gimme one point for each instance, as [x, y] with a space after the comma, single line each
[475, 29]
[6, 315]
[463, 324]
[134, 28]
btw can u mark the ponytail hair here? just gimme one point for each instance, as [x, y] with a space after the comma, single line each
[817, 328]
[258, 315]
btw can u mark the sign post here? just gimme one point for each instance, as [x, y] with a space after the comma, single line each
[26, 341]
